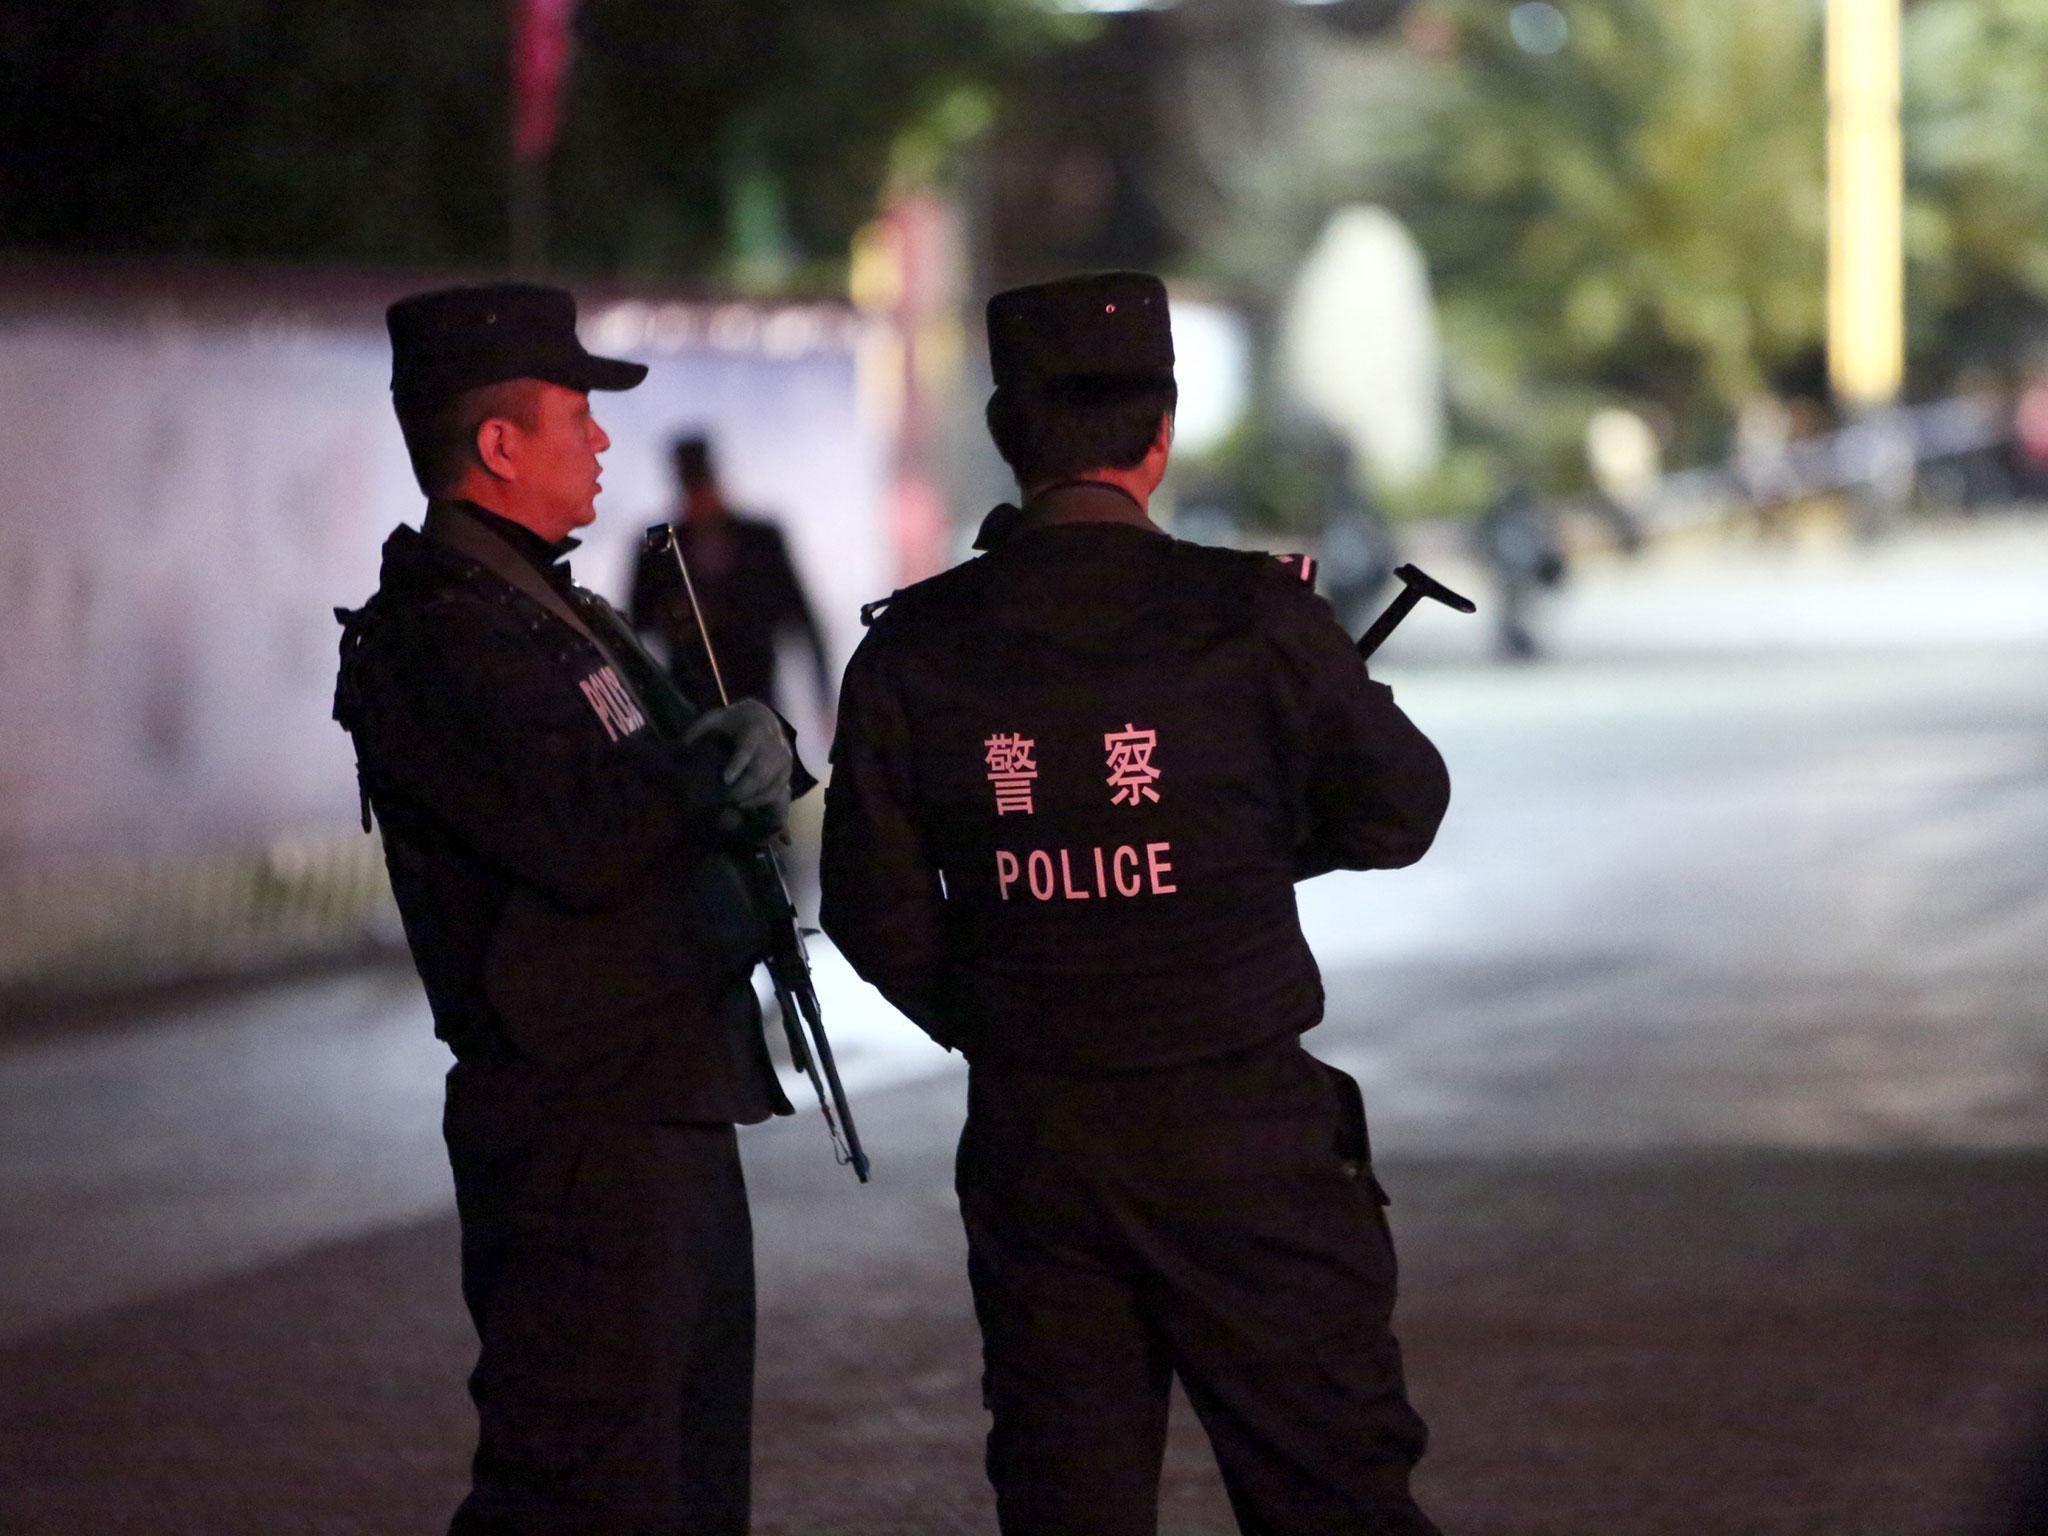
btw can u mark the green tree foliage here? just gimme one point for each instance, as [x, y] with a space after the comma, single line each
[373, 131]
[1976, 118]
[1639, 213]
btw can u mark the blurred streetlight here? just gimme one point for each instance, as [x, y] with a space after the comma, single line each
[1539, 27]
[1866, 195]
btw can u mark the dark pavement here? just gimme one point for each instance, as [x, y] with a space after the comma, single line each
[1701, 1343]
[1706, 1057]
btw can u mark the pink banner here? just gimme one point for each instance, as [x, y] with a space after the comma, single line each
[541, 46]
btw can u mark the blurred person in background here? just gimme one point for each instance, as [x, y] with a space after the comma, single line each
[2030, 436]
[555, 841]
[1075, 781]
[1518, 541]
[745, 581]
[1358, 549]
[1762, 462]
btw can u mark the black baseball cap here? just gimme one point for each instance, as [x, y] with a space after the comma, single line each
[1104, 325]
[460, 338]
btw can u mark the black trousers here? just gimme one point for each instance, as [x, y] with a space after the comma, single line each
[609, 1271]
[1217, 1222]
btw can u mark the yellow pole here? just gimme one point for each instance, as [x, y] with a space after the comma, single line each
[1866, 198]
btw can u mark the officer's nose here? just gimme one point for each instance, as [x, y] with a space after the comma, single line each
[598, 440]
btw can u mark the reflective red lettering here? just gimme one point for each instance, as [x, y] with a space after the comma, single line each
[1117, 864]
[1126, 871]
[594, 695]
[1067, 880]
[1159, 868]
[624, 710]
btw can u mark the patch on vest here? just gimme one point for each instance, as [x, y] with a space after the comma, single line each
[1130, 778]
[1303, 567]
[612, 703]
[1127, 763]
[1121, 871]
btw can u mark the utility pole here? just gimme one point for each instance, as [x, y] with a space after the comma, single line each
[541, 44]
[1866, 199]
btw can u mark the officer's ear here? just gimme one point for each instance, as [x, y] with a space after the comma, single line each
[1162, 445]
[497, 447]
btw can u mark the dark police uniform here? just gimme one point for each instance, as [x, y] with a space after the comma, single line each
[1074, 783]
[557, 862]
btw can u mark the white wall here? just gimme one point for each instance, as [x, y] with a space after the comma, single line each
[185, 494]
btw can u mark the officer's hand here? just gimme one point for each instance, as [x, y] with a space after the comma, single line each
[758, 767]
[761, 824]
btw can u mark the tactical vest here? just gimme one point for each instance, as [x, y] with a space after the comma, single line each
[1105, 802]
[505, 970]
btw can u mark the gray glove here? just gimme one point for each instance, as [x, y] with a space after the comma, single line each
[757, 769]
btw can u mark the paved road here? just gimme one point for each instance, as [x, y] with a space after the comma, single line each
[1705, 1055]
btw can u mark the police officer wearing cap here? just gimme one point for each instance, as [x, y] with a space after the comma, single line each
[1074, 783]
[557, 821]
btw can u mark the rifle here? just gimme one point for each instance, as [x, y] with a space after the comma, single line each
[788, 962]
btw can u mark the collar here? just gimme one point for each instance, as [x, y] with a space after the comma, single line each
[546, 558]
[1069, 501]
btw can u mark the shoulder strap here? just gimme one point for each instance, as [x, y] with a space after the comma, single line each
[1301, 567]
[675, 709]
[451, 526]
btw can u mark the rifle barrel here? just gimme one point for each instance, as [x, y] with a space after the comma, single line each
[823, 1052]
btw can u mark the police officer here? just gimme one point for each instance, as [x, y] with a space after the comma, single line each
[1518, 539]
[745, 581]
[1074, 784]
[555, 822]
